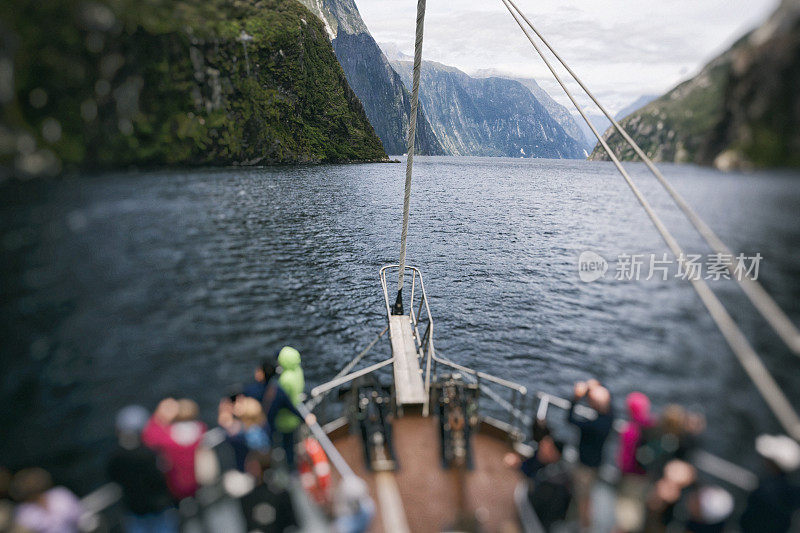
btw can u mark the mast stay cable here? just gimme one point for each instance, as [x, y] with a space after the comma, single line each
[754, 291]
[412, 128]
[748, 358]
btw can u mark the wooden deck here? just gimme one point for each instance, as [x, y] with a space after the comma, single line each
[409, 388]
[430, 495]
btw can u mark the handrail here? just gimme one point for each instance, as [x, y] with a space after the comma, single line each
[311, 404]
[508, 406]
[332, 384]
[100, 499]
[336, 459]
[488, 377]
[563, 403]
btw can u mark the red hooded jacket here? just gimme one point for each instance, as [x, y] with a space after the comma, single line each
[177, 444]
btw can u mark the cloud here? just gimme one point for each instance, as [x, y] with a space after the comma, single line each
[622, 48]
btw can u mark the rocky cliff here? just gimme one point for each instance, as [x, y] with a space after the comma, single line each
[386, 100]
[488, 116]
[674, 126]
[742, 109]
[108, 84]
[561, 114]
[760, 123]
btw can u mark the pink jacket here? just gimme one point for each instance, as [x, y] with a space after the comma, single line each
[639, 412]
[177, 444]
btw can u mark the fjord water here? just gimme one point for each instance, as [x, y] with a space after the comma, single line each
[129, 287]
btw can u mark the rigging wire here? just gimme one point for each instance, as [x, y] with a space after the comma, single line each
[754, 291]
[412, 128]
[748, 358]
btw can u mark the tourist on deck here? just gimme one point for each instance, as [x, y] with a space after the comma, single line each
[632, 435]
[43, 508]
[175, 433]
[663, 497]
[533, 464]
[262, 375]
[771, 506]
[710, 507]
[675, 437]
[549, 481]
[550, 493]
[271, 491]
[281, 398]
[632, 490]
[135, 468]
[246, 428]
[593, 436]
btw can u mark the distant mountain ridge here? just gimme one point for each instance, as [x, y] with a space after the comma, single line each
[386, 100]
[488, 116]
[501, 117]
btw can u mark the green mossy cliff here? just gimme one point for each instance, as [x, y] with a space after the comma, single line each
[92, 85]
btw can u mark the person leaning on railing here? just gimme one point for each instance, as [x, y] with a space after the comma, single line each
[593, 436]
[280, 401]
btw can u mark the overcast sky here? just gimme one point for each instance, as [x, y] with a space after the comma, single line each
[621, 48]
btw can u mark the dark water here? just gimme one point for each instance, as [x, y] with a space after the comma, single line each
[126, 288]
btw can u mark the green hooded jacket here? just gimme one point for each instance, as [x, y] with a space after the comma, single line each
[293, 382]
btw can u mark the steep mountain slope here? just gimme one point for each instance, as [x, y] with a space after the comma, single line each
[104, 84]
[760, 122]
[673, 127]
[560, 113]
[385, 98]
[742, 109]
[488, 116]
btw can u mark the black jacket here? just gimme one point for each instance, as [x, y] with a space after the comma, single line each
[144, 488]
[593, 435]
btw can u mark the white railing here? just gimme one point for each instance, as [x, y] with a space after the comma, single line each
[426, 352]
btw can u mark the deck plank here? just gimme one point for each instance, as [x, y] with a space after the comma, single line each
[409, 388]
[428, 492]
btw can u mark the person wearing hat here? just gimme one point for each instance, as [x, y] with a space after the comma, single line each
[281, 398]
[630, 510]
[771, 506]
[135, 468]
